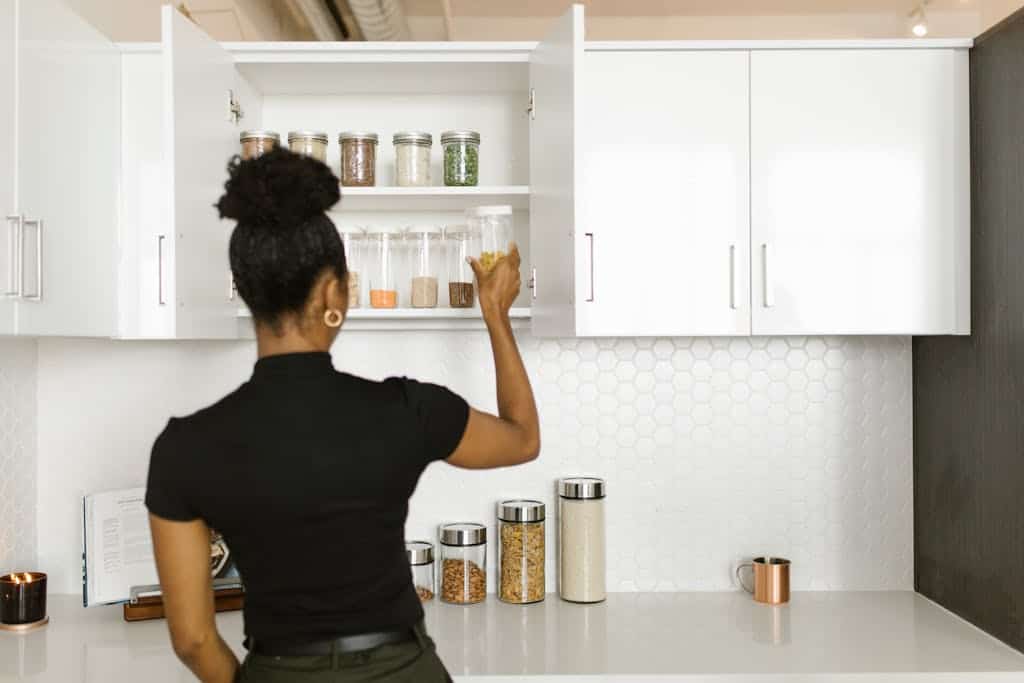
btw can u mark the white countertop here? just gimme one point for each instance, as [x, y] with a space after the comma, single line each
[665, 637]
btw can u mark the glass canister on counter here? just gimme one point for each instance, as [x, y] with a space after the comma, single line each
[309, 142]
[460, 244]
[358, 158]
[384, 248]
[412, 158]
[581, 539]
[421, 562]
[354, 239]
[256, 143]
[461, 157]
[494, 226]
[423, 246]
[463, 563]
[521, 551]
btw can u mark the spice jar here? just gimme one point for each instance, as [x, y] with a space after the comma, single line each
[412, 158]
[354, 239]
[461, 157]
[309, 143]
[521, 551]
[421, 562]
[384, 247]
[463, 563]
[423, 245]
[358, 159]
[581, 539]
[256, 143]
[460, 244]
[494, 225]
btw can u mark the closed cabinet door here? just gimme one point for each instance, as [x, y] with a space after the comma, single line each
[664, 186]
[860, 191]
[11, 224]
[68, 137]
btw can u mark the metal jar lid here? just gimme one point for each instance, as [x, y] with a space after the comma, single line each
[408, 137]
[419, 552]
[357, 136]
[463, 533]
[581, 488]
[521, 511]
[259, 134]
[460, 136]
[307, 135]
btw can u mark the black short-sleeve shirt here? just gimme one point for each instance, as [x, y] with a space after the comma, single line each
[307, 472]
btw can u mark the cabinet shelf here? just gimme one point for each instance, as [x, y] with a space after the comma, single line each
[432, 198]
[420, 318]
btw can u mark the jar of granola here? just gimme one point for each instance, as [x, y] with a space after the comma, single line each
[521, 551]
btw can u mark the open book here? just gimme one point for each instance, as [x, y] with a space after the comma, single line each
[118, 550]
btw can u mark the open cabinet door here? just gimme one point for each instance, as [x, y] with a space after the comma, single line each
[68, 138]
[200, 136]
[554, 86]
[8, 133]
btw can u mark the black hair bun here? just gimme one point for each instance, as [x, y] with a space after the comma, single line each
[280, 190]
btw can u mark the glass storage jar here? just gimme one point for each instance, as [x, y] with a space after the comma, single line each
[412, 158]
[421, 562]
[581, 539]
[353, 237]
[521, 551]
[310, 143]
[384, 254]
[423, 245]
[460, 244]
[358, 158]
[463, 563]
[494, 225]
[256, 143]
[461, 157]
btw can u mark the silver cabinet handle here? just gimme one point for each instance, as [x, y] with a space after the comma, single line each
[590, 236]
[38, 296]
[533, 282]
[769, 288]
[232, 289]
[160, 270]
[14, 256]
[733, 274]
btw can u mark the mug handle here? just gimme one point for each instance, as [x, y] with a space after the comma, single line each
[740, 578]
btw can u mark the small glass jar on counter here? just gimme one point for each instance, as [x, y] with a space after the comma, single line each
[310, 143]
[384, 248]
[461, 157]
[421, 562]
[521, 551]
[412, 158]
[353, 237]
[460, 244]
[581, 539]
[256, 143]
[423, 246]
[463, 563]
[494, 225]
[358, 158]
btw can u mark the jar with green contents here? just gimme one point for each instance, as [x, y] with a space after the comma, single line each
[461, 157]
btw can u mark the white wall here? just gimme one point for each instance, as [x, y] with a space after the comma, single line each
[17, 455]
[714, 449]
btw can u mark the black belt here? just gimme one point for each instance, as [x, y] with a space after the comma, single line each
[325, 648]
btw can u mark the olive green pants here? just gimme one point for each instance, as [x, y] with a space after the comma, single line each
[415, 661]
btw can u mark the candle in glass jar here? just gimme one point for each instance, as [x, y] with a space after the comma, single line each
[22, 598]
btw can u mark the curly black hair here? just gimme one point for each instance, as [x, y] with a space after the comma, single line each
[283, 240]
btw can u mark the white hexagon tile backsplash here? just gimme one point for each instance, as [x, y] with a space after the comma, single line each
[17, 454]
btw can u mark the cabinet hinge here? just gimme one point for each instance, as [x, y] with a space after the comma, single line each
[531, 108]
[235, 113]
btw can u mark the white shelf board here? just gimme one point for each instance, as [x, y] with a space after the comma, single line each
[432, 198]
[419, 318]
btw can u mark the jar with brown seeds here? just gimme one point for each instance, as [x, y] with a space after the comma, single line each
[521, 551]
[463, 563]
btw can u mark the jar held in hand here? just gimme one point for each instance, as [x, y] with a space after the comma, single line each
[494, 225]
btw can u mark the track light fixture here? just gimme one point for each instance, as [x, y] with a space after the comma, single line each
[919, 20]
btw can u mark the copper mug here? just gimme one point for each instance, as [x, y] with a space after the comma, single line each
[771, 579]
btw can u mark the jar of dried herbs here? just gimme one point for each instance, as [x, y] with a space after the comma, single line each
[256, 143]
[358, 159]
[421, 563]
[461, 157]
[310, 143]
[521, 551]
[463, 563]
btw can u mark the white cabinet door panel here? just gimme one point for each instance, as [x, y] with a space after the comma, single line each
[860, 195]
[8, 135]
[664, 180]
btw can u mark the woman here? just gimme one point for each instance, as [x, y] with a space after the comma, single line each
[307, 471]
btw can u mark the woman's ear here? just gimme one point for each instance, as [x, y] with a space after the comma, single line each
[336, 293]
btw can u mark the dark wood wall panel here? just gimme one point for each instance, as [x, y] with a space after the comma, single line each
[969, 392]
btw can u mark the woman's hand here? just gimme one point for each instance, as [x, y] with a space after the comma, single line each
[498, 287]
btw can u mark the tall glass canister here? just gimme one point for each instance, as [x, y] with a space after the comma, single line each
[463, 563]
[494, 225]
[521, 551]
[354, 239]
[423, 248]
[460, 244]
[581, 539]
[421, 564]
[384, 256]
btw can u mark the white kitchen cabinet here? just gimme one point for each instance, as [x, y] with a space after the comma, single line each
[860, 192]
[9, 239]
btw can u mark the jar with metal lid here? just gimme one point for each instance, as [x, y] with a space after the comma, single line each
[353, 237]
[412, 158]
[460, 244]
[494, 225]
[358, 158]
[463, 563]
[310, 143]
[423, 244]
[384, 255]
[521, 551]
[421, 562]
[461, 157]
[256, 143]
[581, 539]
